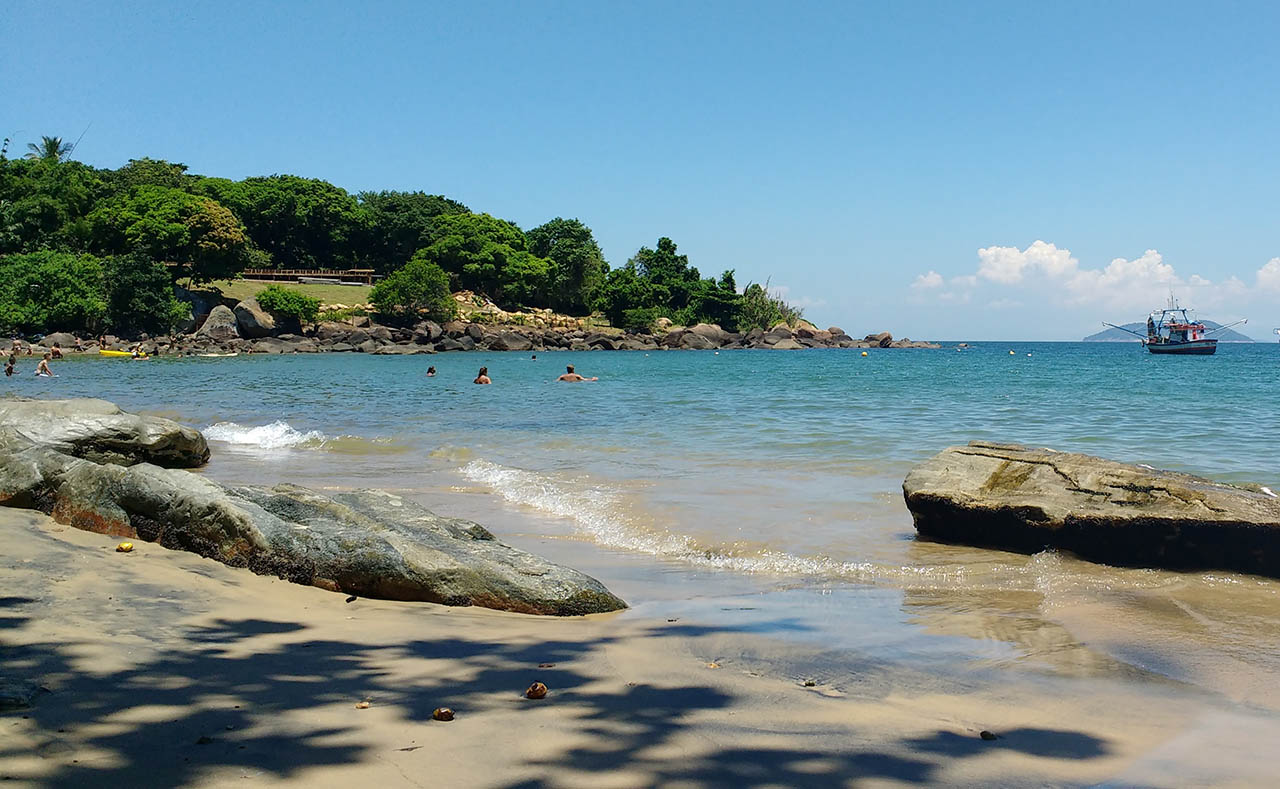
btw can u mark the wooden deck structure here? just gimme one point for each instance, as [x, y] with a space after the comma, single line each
[363, 276]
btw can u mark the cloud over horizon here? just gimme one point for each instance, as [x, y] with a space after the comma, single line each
[1055, 275]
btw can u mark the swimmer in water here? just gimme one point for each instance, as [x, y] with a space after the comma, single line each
[42, 369]
[482, 377]
[431, 372]
[571, 377]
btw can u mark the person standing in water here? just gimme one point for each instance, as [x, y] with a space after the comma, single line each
[483, 377]
[571, 377]
[8, 366]
[42, 369]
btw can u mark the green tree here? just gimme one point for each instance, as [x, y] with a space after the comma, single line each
[489, 255]
[300, 222]
[624, 290]
[139, 296]
[670, 274]
[289, 302]
[51, 291]
[45, 204]
[147, 172]
[578, 267]
[401, 223]
[760, 310]
[49, 149]
[201, 236]
[420, 287]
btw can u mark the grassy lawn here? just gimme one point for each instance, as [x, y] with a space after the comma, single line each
[240, 289]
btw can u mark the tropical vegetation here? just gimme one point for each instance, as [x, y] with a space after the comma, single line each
[96, 249]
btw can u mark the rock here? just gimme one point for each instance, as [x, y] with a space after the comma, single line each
[467, 342]
[510, 341]
[381, 333]
[835, 331]
[63, 339]
[99, 431]
[253, 321]
[401, 350]
[442, 714]
[536, 691]
[696, 342]
[710, 332]
[883, 339]
[662, 324]
[475, 331]
[1024, 499]
[427, 332]
[329, 330]
[368, 543]
[449, 344]
[368, 346]
[787, 345]
[672, 338]
[341, 347]
[454, 329]
[986, 735]
[603, 342]
[220, 325]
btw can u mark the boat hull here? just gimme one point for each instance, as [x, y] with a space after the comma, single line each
[1190, 348]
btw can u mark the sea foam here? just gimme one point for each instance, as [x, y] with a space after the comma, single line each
[277, 435]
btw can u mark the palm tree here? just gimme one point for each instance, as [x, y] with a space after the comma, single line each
[51, 149]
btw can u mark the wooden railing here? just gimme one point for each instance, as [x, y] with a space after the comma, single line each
[364, 276]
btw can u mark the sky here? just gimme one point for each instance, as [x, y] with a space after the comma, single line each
[938, 170]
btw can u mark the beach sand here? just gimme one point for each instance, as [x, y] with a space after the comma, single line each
[161, 668]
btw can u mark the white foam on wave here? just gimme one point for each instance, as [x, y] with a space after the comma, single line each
[277, 435]
[602, 514]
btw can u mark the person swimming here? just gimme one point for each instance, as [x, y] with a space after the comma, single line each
[431, 372]
[571, 377]
[8, 365]
[483, 377]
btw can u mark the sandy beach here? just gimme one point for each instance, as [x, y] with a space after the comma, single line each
[162, 668]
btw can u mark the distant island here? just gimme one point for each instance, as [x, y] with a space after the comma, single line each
[1115, 335]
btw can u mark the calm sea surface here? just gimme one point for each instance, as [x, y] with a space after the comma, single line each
[761, 490]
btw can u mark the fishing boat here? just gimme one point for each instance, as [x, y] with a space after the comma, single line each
[1172, 331]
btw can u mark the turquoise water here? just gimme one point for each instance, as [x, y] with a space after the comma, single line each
[683, 477]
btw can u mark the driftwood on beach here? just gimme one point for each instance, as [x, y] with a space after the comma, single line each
[1025, 499]
[93, 467]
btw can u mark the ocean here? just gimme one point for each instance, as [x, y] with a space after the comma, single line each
[760, 491]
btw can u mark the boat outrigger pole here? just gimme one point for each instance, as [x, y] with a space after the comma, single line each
[1228, 326]
[1131, 331]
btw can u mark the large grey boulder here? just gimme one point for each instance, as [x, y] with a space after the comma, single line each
[220, 325]
[1025, 499]
[710, 332]
[370, 543]
[62, 339]
[697, 342]
[253, 321]
[510, 341]
[98, 430]
[884, 339]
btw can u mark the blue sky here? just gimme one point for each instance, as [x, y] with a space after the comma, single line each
[890, 165]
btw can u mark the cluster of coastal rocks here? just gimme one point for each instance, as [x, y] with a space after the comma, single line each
[90, 465]
[248, 328]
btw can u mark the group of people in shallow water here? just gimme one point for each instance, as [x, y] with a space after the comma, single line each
[42, 368]
[482, 377]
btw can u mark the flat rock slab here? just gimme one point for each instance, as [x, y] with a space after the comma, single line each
[1025, 499]
[100, 431]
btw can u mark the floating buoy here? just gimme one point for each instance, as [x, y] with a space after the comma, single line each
[864, 353]
[442, 714]
[536, 691]
[1011, 353]
[124, 547]
[1028, 354]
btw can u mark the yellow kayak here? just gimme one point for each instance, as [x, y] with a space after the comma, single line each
[103, 352]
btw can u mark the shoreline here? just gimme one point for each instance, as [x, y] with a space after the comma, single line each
[164, 667]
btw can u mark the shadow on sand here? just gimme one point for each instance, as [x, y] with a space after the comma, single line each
[175, 715]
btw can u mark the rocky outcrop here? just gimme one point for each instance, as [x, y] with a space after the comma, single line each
[253, 321]
[220, 325]
[370, 543]
[99, 431]
[1025, 499]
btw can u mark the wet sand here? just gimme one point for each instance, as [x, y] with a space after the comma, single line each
[162, 668]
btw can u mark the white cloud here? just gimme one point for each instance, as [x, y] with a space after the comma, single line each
[1007, 264]
[1268, 277]
[931, 280]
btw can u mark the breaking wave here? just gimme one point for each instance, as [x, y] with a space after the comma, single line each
[608, 518]
[277, 435]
